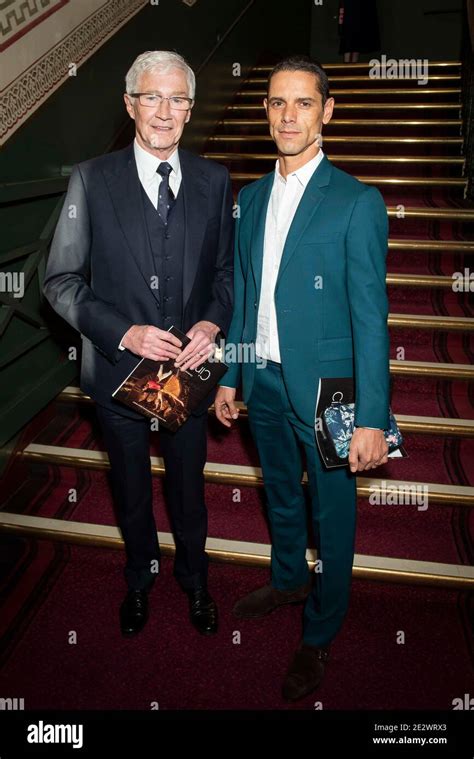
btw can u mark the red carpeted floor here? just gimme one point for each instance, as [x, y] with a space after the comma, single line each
[61, 647]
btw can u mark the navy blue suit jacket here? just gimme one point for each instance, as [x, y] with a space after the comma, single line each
[100, 267]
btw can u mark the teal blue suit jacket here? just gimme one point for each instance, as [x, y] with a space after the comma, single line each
[330, 295]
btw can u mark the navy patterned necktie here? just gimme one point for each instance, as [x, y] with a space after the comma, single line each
[166, 198]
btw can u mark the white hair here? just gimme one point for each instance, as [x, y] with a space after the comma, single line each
[162, 61]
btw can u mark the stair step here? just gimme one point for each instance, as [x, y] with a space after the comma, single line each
[237, 474]
[408, 423]
[379, 568]
[365, 65]
[377, 180]
[431, 425]
[458, 214]
[419, 321]
[424, 425]
[367, 78]
[345, 139]
[419, 280]
[357, 122]
[423, 369]
[447, 246]
[365, 106]
[335, 91]
[443, 160]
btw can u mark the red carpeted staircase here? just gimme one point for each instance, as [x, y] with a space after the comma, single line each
[413, 570]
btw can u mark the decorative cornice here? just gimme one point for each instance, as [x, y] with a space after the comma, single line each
[32, 88]
[18, 18]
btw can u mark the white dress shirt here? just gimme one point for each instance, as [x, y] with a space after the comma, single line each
[147, 165]
[284, 200]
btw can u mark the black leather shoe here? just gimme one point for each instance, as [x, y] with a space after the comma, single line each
[266, 599]
[134, 612]
[203, 611]
[305, 672]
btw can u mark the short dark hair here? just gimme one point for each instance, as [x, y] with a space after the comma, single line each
[304, 63]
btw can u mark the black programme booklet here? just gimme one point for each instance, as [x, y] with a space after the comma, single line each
[163, 391]
[339, 390]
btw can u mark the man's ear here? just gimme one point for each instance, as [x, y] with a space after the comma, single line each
[328, 109]
[129, 106]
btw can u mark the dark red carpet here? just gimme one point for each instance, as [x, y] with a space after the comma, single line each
[60, 591]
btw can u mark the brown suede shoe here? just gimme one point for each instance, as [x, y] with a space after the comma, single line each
[266, 599]
[305, 673]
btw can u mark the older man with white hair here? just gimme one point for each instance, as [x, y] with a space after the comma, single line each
[151, 213]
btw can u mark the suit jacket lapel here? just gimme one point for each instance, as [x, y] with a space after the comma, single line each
[195, 186]
[125, 191]
[307, 207]
[260, 205]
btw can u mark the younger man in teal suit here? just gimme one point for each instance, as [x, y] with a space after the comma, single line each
[310, 299]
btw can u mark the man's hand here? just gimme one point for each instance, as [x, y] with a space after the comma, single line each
[201, 347]
[368, 449]
[224, 405]
[151, 342]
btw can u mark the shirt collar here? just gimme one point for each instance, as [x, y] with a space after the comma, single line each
[148, 163]
[305, 172]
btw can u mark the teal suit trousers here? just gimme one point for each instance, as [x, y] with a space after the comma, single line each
[282, 439]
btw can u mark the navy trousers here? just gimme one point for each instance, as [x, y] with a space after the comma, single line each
[184, 452]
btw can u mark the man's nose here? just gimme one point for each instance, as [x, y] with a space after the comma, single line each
[163, 110]
[289, 114]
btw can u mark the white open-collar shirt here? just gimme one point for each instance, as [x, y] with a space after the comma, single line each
[284, 200]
